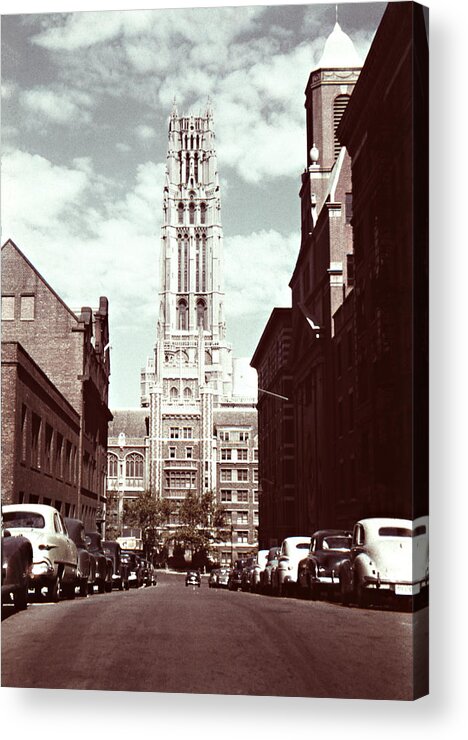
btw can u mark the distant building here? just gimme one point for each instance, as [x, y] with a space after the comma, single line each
[55, 377]
[191, 389]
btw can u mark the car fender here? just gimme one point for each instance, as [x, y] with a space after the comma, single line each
[362, 567]
[345, 575]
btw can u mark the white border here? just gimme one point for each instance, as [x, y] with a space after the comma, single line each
[72, 714]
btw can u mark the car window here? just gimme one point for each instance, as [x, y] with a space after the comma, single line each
[23, 519]
[418, 531]
[395, 532]
[302, 546]
[336, 543]
[358, 535]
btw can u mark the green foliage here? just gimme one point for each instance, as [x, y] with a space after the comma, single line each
[201, 523]
[149, 514]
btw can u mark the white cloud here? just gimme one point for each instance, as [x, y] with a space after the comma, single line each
[145, 132]
[58, 107]
[269, 258]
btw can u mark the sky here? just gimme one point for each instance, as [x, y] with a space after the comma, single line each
[86, 98]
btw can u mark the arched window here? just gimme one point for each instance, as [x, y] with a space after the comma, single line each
[187, 393]
[191, 213]
[112, 465]
[182, 315]
[181, 213]
[201, 313]
[339, 106]
[173, 393]
[203, 213]
[134, 466]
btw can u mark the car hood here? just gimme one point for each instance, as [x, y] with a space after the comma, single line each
[332, 558]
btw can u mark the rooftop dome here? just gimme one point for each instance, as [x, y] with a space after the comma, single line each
[339, 51]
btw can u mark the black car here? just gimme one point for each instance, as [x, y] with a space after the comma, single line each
[104, 565]
[135, 569]
[318, 572]
[193, 578]
[120, 567]
[17, 558]
[86, 570]
[235, 576]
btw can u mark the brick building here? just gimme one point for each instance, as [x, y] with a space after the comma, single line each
[55, 394]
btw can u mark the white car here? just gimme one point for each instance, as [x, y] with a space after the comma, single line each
[284, 576]
[54, 554]
[389, 558]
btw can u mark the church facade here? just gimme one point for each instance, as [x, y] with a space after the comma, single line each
[196, 433]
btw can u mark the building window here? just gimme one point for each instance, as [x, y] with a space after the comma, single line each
[242, 496]
[242, 454]
[191, 213]
[189, 453]
[203, 213]
[255, 454]
[182, 315]
[112, 463]
[243, 436]
[174, 432]
[180, 479]
[226, 454]
[187, 393]
[226, 496]
[201, 314]
[348, 207]
[224, 436]
[339, 107]
[181, 213]
[59, 455]
[255, 475]
[187, 432]
[255, 518]
[172, 453]
[174, 393]
[243, 474]
[255, 496]
[243, 537]
[226, 474]
[242, 517]
[350, 270]
[27, 308]
[8, 307]
[134, 466]
[68, 461]
[49, 433]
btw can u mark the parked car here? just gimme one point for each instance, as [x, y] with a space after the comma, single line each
[252, 574]
[213, 578]
[120, 569]
[382, 563]
[17, 560]
[55, 558]
[223, 578]
[135, 571]
[235, 575]
[284, 576]
[86, 569]
[319, 570]
[148, 573]
[246, 574]
[266, 573]
[193, 578]
[104, 564]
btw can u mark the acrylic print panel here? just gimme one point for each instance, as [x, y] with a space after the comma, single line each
[213, 478]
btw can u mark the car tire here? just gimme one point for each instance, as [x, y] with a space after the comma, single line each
[345, 597]
[362, 596]
[20, 599]
[68, 590]
[101, 587]
[54, 589]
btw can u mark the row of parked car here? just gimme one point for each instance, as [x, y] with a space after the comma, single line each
[44, 553]
[381, 560]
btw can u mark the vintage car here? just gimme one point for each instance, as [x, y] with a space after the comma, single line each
[193, 578]
[246, 574]
[120, 569]
[388, 561]
[104, 565]
[86, 570]
[284, 576]
[135, 570]
[55, 558]
[235, 575]
[266, 573]
[148, 573]
[319, 570]
[17, 560]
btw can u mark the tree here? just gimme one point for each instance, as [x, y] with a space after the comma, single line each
[201, 525]
[149, 514]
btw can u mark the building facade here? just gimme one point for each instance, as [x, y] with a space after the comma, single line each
[188, 384]
[54, 398]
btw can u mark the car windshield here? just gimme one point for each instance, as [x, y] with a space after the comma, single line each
[395, 532]
[23, 520]
[336, 543]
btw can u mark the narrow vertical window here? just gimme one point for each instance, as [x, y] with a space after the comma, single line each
[27, 308]
[339, 106]
[180, 212]
[182, 310]
[8, 307]
[192, 213]
[203, 213]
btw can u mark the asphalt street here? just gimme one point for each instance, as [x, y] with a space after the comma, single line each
[171, 638]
